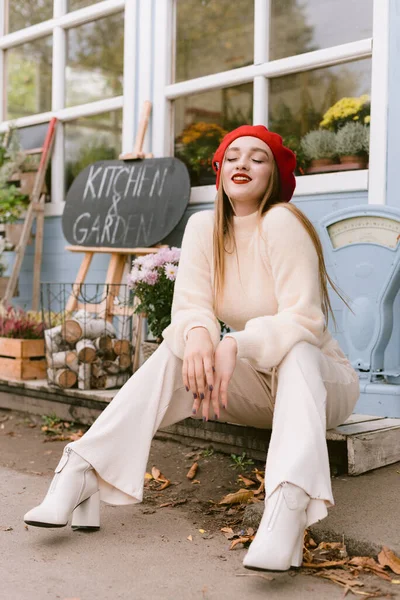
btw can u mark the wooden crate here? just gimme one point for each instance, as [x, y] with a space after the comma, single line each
[22, 359]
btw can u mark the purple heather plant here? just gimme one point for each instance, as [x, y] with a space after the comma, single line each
[16, 323]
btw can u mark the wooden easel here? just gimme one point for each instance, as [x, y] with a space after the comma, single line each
[119, 256]
[35, 210]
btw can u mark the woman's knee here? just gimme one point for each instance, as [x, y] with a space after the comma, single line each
[301, 353]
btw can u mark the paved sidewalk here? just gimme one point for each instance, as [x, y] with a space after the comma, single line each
[142, 552]
[133, 556]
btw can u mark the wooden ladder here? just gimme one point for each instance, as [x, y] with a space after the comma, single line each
[34, 210]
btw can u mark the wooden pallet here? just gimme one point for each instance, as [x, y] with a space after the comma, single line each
[362, 443]
[371, 441]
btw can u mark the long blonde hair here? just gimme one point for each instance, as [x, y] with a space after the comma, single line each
[224, 240]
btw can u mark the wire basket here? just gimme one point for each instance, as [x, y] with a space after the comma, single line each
[89, 333]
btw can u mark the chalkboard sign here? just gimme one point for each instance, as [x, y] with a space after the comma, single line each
[120, 204]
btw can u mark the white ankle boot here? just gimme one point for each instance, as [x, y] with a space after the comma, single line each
[73, 490]
[278, 544]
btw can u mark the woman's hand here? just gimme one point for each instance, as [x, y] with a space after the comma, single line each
[197, 369]
[225, 363]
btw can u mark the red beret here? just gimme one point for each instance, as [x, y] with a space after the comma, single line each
[285, 159]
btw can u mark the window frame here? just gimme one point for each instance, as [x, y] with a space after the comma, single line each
[153, 43]
[58, 27]
[373, 179]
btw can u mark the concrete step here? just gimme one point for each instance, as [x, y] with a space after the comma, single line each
[363, 443]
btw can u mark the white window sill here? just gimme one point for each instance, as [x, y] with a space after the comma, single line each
[307, 185]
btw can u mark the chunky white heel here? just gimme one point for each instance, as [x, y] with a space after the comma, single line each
[87, 514]
[297, 557]
[278, 544]
[73, 485]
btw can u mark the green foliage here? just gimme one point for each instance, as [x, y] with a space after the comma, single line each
[207, 452]
[196, 145]
[352, 138]
[319, 144]
[12, 204]
[240, 461]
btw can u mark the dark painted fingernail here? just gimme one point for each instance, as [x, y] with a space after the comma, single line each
[214, 369]
[210, 387]
[201, 396]
[187, 389]
[204, 418]
[194, 411]
[216, 416]
[224, 407]
[195, 396]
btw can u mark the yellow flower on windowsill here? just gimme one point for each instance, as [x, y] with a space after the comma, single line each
[346, 109]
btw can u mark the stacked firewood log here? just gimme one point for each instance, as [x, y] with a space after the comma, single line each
[85, 351]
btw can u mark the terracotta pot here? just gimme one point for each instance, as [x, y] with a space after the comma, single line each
[321, 165]
[322, 162]
[354, 159]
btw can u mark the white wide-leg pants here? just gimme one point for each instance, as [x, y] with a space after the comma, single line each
[315, 391]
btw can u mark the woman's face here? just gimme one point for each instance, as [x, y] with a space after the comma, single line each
[246, 171]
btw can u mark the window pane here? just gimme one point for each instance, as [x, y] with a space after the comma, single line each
[29, 78]
[202, 120]
[298, 26]
[297, 103]
[95, 60]
[89, 139]
[22, 14]
[212, 36]
[77, 4]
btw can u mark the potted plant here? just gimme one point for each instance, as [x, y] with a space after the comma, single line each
[347, 110]
[22, 350]
[152, 280]
[352, 145]
[319, 148]
[195, 147]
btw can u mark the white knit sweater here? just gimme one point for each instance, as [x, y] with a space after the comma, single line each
[271, 294]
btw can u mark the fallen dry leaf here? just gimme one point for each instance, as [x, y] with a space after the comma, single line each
[192, 471]
[323, 565]
[155, 472]
[195, 481]
[238, 497]
[370, 564]
[202, 530]
[387, 558]
[166, 484]
[241, 540]
[6, 529]
[189, 537]
[228, 532]
[247, 482]
[148, 476]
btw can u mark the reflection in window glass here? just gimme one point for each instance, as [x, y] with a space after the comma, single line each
[202, 120]
[212, 36]
[29, 78]
[89, 139]
[77, 4]
[298, 26]
[22, 14]
[298, 102]
[95, 60]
